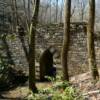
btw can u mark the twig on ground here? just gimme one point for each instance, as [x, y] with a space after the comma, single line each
[92, 92]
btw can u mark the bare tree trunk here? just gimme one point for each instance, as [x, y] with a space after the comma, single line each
[13, 16]
[46, 9]
[65, 49]
[3, 18]
[32, 47]
[29, 12]
[26, 20]
[41, 14]
[15, 11]
[61, 11]
[82, 10]
[50, 10]
[56, 11]
[90, 41]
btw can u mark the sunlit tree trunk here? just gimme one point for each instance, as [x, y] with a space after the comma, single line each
[90, 41]
[66, 37]
[32, 47]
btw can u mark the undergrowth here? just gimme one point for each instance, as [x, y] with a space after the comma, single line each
[60, 90]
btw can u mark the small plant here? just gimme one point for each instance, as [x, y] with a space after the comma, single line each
[60, 90]
[3, 65]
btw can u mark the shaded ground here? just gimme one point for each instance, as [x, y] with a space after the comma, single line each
[11, 78]
[80, 81]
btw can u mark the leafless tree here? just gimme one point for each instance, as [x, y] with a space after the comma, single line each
[32, 85]
[66, 37]
[90, 41]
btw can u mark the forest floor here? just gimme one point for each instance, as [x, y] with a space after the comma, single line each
[83, 82]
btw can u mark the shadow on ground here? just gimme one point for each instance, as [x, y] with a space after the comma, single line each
[12, 78]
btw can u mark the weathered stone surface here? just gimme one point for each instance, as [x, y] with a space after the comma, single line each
[53, 35]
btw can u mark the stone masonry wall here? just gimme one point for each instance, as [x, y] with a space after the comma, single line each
[78, 58]
[17, 47]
